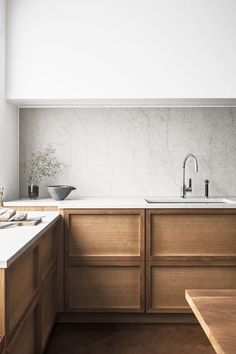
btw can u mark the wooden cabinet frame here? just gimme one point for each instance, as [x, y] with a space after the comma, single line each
[224, 261]
[137, 261]
[145, 261]
[15, 314]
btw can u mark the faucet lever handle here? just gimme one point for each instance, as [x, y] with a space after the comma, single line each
[190, 183]
[206, 188]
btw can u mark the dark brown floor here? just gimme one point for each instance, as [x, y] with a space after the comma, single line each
[128, 339]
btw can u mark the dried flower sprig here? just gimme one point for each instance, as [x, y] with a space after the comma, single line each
[43, 164]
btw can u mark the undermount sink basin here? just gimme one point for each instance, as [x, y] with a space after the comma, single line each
[189, 200]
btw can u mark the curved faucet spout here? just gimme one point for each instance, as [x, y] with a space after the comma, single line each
[195, 160]
[184, 187]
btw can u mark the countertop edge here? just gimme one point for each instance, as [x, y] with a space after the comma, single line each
[115, 203]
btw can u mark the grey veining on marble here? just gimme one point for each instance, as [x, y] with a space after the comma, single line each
[134, 151]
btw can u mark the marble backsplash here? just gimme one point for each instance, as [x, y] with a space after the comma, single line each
[133, 151]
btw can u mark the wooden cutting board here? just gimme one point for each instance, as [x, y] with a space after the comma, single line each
[27, 222]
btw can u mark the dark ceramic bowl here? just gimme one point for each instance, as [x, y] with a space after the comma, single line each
[60, 192]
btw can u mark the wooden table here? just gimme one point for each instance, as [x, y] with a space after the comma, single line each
[216, 313]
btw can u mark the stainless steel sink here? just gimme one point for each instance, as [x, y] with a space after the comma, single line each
[189, 200]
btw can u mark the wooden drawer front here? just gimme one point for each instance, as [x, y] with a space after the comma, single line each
[105, 288]
[48, 307]
[189, 234]
[25, 340]
[48, 251]
[168, 284]
[106, 234]
[22, 281]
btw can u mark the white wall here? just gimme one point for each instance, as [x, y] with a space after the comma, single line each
[121, 49]
[9, 162]
[133, 151]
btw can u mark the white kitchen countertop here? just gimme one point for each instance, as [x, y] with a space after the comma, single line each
[15, 240]
[118, 203]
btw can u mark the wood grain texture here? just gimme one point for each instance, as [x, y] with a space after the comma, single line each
[48, 251]
[48, 307]
[193, 234]
[105, 233]
[104, 260]
[25, 340]
[21, 285]
[216, 312]
[166, 285]
[23, 290]
[116, 287]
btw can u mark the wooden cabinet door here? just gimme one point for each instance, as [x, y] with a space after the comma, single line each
[48, 307]
[98, 286]
[105, 234]
[26, 340]
[21, 285]
[166, 285]
[190, 233]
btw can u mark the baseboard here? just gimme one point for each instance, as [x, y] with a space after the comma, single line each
[124, 318]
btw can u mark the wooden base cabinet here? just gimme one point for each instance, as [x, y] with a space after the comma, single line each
[28, 296]
[185, 249]
[104, 255]
[188, 249]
